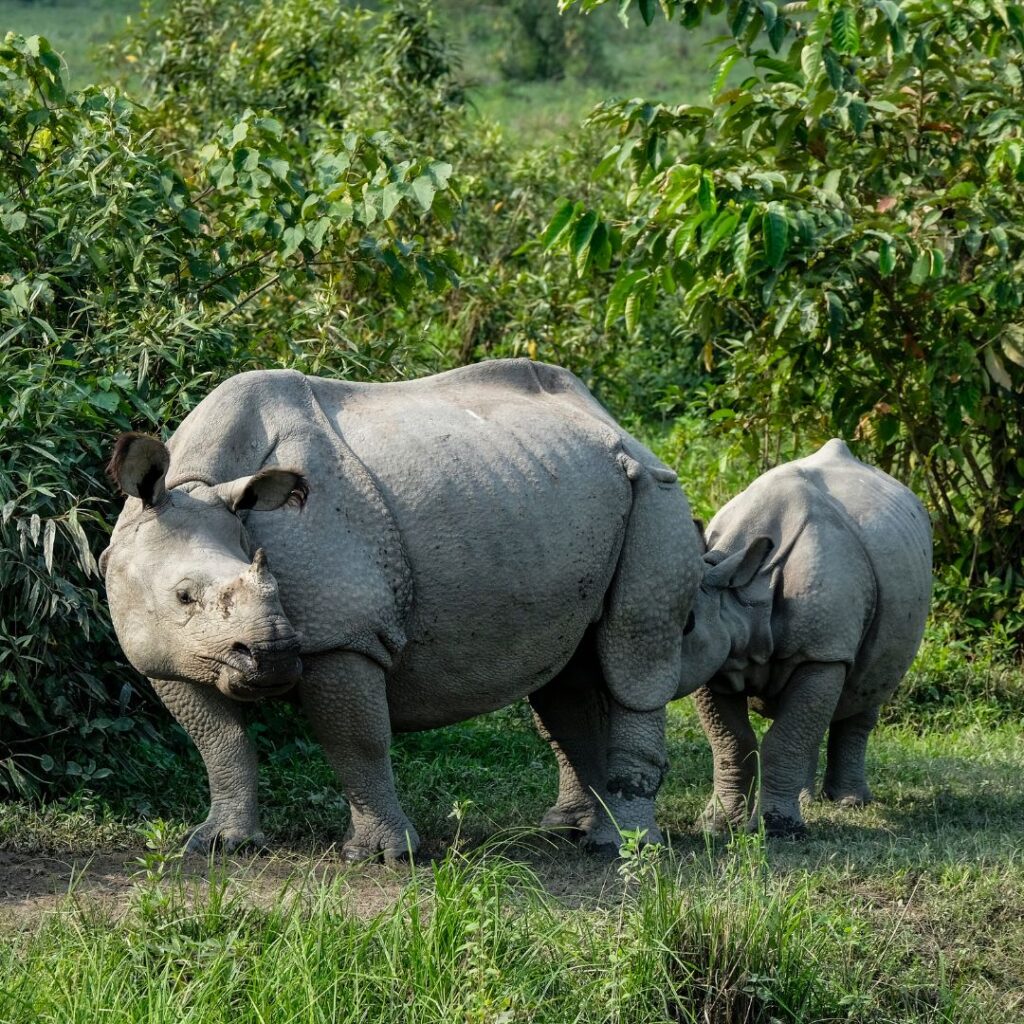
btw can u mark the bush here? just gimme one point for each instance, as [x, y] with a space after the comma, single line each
[132, 280]
[841, 228]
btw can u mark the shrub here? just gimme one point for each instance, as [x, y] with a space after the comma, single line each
[131, 282]
[841, 228]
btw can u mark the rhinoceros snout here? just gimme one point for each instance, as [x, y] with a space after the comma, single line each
[254, 671]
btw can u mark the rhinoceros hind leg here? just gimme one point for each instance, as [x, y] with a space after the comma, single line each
[571, 713]
[345, 699]
[636, 765]
[804, 712]
[610, 760]
[845, 777]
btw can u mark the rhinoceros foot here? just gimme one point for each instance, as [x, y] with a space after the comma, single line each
[782, 826]
[215, 834]
[377, 841]
[606, 838]
[572, 822]
[353, 854]
[722, 815]
[849, 798]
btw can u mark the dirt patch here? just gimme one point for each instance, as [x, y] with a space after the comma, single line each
[33, 884]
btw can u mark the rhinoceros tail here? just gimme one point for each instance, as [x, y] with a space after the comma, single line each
[635, 470]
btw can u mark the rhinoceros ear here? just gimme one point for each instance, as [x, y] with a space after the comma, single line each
[739, 570]
[139, 467]
[264, 491]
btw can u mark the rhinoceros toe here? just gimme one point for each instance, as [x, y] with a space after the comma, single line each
[571, 822]
[849, 798]
[214, 836]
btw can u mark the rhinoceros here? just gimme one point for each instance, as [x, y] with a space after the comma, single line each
[404, 556]
[815, 591]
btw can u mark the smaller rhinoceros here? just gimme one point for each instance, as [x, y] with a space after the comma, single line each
[816, 587]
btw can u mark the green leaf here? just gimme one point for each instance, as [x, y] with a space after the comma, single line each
[836, 315]
[633, 309]
[392, 196]
[775, 228]
[845, 37]
[886, 259]
[581, 236]
[292, 237]
[706, 194]
[648, 8]
[810, 54]
[424, 189]
[723, 225]
[559, 226]
[192, 219]
[921, 269]
[996, 369]
[620, 293]
[890, 9]
[109, 401]
[13, 222]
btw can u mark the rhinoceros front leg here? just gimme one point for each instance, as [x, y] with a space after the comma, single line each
[805, 708]
[216, 725]
[845, 777]
[726, 721]
[345, 698]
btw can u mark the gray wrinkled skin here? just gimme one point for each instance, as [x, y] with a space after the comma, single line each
[816, 587]
[433, 550]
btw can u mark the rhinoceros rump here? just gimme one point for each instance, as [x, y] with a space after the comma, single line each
[432, 549]
[816, 586]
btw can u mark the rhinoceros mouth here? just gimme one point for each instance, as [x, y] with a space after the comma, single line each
[257, 672]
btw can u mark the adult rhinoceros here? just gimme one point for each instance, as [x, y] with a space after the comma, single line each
[431, 550]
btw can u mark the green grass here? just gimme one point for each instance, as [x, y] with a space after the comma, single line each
[910, 910]
[476, 938]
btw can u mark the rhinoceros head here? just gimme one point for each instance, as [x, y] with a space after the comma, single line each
[729, 623]
[188, 599]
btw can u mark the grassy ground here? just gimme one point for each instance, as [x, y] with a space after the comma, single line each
[912, 909]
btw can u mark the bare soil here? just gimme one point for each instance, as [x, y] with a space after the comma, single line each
[32, 884]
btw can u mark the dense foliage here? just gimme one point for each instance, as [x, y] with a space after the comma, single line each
[841, 225]
[131, 281]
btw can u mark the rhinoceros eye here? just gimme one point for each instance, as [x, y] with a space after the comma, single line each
[185, 596]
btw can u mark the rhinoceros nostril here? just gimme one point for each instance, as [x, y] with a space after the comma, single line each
[244, 651]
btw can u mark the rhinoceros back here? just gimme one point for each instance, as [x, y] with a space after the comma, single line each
[511, 487]
[895, 530]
